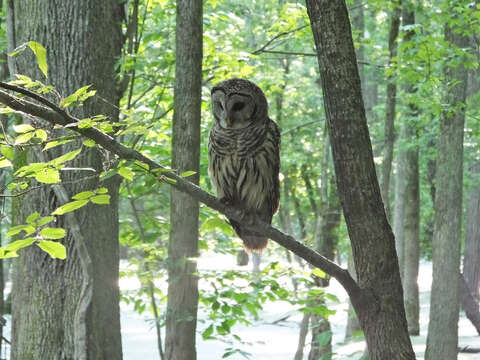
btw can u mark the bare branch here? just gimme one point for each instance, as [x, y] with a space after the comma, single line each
[107, 142]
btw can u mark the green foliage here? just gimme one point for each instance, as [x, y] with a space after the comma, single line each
[40, 54]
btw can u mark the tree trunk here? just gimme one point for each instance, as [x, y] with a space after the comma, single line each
[69, 309]
[183, 245]
[353, 325]
[411, 254]
[411, 237]
[302, 336]
[471, 255]
[442, 339]
[379, 301]
[389, 137]
[399, 206]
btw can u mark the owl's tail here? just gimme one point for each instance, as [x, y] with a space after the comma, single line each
[252, 241]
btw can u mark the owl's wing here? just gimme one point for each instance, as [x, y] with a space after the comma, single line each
[274, 198]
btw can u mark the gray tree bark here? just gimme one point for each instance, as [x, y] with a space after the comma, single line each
[442, 339]
[411, 223]
[379, 301]
[183, 245]
[69, 309]
[471, 257]
[389, 137]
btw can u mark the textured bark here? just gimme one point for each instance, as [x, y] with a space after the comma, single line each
[442, 339]
[471, 257]
[379, 302]
[389, 128]
[302, 336]
[411, 240]
[69, 309]
[353, 325]
[470, 287]
[470, 304]
[183, 245]
[411, 237]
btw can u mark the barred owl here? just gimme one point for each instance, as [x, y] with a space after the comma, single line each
[244, 157]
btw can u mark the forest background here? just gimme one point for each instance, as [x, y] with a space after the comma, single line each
[412, 57]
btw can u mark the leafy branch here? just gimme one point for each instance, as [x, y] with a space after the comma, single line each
[57, 116]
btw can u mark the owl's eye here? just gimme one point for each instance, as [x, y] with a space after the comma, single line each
[219, 105]
[238, 106]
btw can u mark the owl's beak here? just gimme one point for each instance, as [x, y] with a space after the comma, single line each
[229, 121]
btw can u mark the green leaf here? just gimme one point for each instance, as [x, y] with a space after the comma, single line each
[207, 332]
[48, 176]
[102, 190]
[101, 199]
[187, 173]
[126, 173]
[19, 228]
[214, 223]
[53, 248]
[79, 95]
[53, 233]
[5, 163]
[41, 134]
[324, 338]
[23, 128]
[19, 244]
[89, 143]
[32, 217]
[45, 220]
[41, 55]
[319, 273]
[21, 139]
[7, 151]
[83, 195]
[54, 143]
[66, 157]
[74, 205]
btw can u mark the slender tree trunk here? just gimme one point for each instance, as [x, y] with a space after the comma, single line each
[183, 245]
[389, 137]
[379, 301]
[69, 309]
[411, 254]
[471, 255]
[442, 339]
[411, 237]
[353, 325]
[470, 282]
[302, 336]
[399, 206]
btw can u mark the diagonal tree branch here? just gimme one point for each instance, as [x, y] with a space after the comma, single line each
[58, 116]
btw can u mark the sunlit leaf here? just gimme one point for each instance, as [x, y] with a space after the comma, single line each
[101, 199]
[45, 220]
[5, 163]
[53, 233]
[66, 157]
[48, 176]
[22, 128]
[32, 217]
[83, 195]
[53, 248]
[21, 139]
[7, 151]
[74, 205]
[187, 173]
[41, 55]
[19, 244]
[126, 173]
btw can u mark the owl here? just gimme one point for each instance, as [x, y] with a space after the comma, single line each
[244, 155]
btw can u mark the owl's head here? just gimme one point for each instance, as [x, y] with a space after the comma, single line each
[237, 103]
